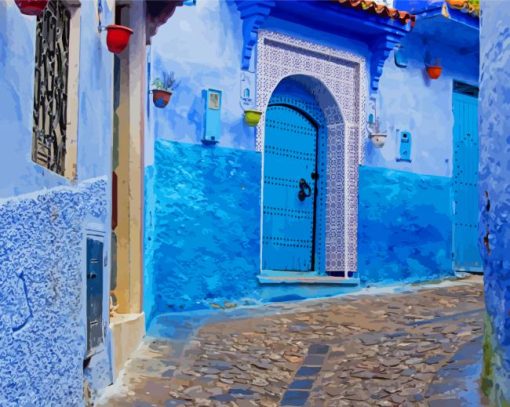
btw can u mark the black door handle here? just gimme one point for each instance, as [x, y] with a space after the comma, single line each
[304, 190]
[91, 276]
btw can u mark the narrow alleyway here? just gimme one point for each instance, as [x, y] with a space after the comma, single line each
[418, 346]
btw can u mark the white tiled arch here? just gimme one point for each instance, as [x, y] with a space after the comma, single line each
[344, 76]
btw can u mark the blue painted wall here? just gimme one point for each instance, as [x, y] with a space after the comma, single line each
[205, 240]
[43, 220]
[494, 178]
[409, 100]
[404, 230]
[205, 54]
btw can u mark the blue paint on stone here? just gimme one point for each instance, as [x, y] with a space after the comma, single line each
[42, 336]
[404, 230]
[294, 398]
[307, 371]
[301, 385]
[494, 168]
[318, 349]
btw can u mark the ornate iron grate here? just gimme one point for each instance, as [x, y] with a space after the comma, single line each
[50, 87]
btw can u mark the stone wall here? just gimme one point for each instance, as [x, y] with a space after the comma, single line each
[42, 279]
[495, 196]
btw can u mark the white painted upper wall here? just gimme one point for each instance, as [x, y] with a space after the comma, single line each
[409, 100]
[202, 44]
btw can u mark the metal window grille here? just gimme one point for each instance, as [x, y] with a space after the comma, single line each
[50, 88]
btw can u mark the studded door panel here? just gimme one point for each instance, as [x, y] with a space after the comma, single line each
[465, 184]
[289, 157]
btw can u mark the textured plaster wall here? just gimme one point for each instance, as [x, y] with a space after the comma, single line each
[404, 226]
[494, 178]
[409, 100]
[42, 335]
[42, 290]
[206, 220]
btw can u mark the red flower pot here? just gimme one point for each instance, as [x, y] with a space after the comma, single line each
[117, 37]
[31, 7]
[161, 97]
[434, 71]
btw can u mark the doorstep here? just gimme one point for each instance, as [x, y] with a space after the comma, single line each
[277, 277]
[128, 331]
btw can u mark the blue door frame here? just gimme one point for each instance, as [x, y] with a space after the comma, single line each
[466, 254]
[294, 184]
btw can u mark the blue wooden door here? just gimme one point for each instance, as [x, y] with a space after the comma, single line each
[289, 190]
[466, 255]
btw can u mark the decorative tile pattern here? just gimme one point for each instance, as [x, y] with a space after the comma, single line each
[338, 80]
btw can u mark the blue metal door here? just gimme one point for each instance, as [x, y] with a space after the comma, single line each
[290, 156]
[466, 255]
[94, 294]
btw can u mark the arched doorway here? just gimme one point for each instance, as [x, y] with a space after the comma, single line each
[294, 174]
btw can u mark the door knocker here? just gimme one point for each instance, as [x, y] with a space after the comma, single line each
[304, 190]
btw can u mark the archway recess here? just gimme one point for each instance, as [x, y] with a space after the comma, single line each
[338, 82]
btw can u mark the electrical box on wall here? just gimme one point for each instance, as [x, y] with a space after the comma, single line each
[212, 119]
[404, 146]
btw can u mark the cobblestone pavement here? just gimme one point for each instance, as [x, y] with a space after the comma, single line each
[391, 349]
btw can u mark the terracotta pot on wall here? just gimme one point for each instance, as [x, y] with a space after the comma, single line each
[31, 7]
[161, 97]
[434, 71]
[117, 37]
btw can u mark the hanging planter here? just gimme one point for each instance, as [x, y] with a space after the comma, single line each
[162, 89]
[117, 37]
[161, 97]
[377, 139]
[376, 136]
[434, 71]
[252, 117]
[31, 7]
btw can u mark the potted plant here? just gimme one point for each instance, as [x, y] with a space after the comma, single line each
[377, 137]
[31, 7]
[162, 89]
[117, 37]
[252, 117]
[434, 70]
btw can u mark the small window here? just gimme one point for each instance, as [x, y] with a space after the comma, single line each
[51, 87]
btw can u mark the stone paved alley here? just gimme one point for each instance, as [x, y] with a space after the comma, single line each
[416, 346]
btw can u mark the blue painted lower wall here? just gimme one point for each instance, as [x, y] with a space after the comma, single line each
[42, 325]
[405, 226]
[202, 229]
[205, 240]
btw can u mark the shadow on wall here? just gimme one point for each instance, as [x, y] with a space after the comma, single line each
[206, 226]
[405, 226]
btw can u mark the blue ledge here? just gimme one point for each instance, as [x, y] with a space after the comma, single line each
[292, 277]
